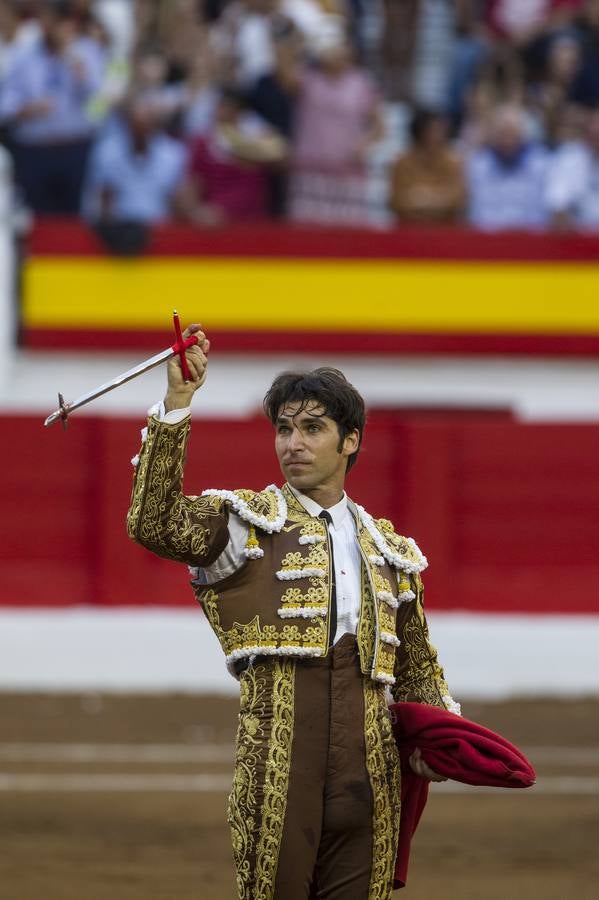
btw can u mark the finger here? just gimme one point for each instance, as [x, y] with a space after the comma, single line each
[196, 368]
[194, 328]
[430, 774]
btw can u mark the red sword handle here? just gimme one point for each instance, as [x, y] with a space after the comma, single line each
[181, 345]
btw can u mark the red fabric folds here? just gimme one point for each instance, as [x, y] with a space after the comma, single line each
[454, 747]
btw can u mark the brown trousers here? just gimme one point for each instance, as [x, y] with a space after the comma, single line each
[314, 809]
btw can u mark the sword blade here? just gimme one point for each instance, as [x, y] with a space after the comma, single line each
[64, 411]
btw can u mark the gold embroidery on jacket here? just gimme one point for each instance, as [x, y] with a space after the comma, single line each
[375, 656]
[366, 624]
[251, 635]
[316, 558]
[381, 583]
[263, 504]
[386, 618]
[382, 764]
[276, 779]
[294, 597]
[295, 510]
[313, 527]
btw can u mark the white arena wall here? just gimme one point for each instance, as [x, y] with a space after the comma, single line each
[157, 651]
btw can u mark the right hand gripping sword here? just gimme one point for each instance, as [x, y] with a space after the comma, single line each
[177, 349]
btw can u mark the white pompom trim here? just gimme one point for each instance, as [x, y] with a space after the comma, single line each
[376, 560]
[451, 705]
[388, 638]
[404, 596]
[302, 612]
[135, 461]
[253, 552]
[388, 598]
[242, 509]
[288, 650]
[311, 539]
[384, 678]
[290, 574]
[406, 565]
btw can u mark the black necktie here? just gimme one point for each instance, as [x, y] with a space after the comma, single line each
[326, 516]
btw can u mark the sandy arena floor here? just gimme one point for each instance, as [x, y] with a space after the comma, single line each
[123, 798]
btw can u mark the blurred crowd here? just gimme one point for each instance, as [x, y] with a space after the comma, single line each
[344, 112]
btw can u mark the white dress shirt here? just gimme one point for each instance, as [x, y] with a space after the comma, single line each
[573, 184]
[342, 532]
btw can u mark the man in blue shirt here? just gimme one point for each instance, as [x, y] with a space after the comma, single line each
[137, 172]
[44, 104]
[507, 177]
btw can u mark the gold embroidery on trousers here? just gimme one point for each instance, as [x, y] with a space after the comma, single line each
[276, 779]
[263, 762]
[382, 764]
[243, 801]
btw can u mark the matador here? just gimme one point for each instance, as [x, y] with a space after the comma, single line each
[318, 608]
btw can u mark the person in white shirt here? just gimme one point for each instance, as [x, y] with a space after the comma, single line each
[318, 608]
[573, 181]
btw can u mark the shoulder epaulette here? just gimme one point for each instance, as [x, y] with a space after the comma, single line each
[266, 509]
[402, 552]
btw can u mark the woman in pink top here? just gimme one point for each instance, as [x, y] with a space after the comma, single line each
[229, 164]
[338, 118]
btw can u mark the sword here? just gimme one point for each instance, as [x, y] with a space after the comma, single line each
[177, 349]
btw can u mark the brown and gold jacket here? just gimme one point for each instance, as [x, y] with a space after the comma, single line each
[278, 602]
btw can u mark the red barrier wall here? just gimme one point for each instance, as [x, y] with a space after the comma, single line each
[507, 513]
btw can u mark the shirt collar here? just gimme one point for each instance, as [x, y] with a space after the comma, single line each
[337, 512]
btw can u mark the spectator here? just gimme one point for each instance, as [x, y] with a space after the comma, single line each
[507, 177]
[573, 182]
[433, 52]
[230, 164]
[242, 36]
[470, 51]
[274, 98]
[552, 93]
[245, 29]
[43, 101]
[137, 173]
[586, 90]
[338, 120]
[200, 93]
[499, 82]
[427, 182]
[18, 30]
[522, 21]
[397, 43]
[274, 95]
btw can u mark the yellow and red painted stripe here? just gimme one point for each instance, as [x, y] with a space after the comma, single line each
[287, 289]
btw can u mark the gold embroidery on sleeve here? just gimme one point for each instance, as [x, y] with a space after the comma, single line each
[160, 517]
[422, 679]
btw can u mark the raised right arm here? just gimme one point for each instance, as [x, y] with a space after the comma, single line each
[161, 518]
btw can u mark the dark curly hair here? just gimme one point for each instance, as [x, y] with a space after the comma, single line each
[330, 389]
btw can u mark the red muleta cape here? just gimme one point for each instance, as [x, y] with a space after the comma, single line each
[456, 748]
